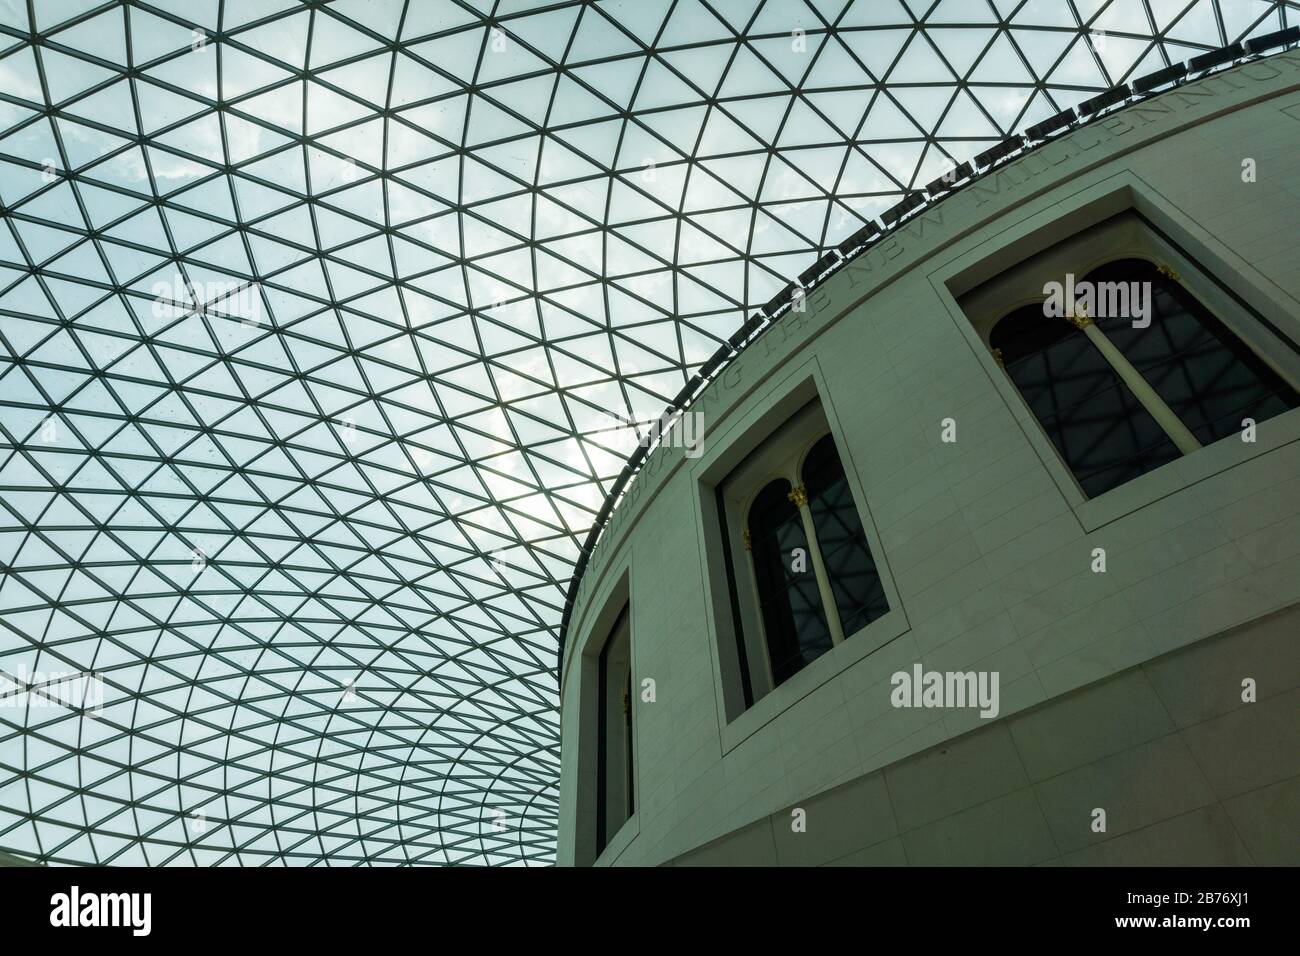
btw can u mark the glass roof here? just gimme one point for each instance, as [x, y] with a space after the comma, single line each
[326, 327]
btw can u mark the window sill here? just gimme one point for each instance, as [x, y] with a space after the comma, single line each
[619, 842]
[852, 649]
[1187, 470]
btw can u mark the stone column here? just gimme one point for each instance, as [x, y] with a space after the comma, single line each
[799, 495]
[1141, 388]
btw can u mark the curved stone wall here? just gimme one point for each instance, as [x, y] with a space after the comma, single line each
[984, 543]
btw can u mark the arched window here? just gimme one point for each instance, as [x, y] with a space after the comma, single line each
[797, 552]
[1138, 373]
[846, 556]
[1207, 376]
[1102, 432]
[794, 619]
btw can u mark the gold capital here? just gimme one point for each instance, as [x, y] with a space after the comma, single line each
[1168, 272]
[748, 543]
[1080, 320]
[997, 357]
[799, 495]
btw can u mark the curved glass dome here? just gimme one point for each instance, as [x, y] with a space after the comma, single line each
[324, 329]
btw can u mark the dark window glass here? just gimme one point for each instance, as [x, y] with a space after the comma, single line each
[614, 772]
[1102, 432]
[855, 583]
[1207, 376]
[793, 617]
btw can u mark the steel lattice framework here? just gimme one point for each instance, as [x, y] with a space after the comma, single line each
[325, 328]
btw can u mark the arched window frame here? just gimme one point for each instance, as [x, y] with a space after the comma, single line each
[1212, 330]
[1141, 390]
[791, 473]
[777, 444]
